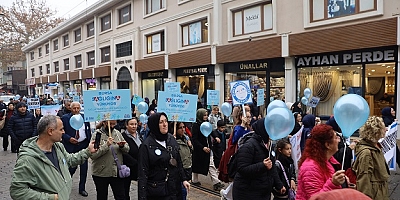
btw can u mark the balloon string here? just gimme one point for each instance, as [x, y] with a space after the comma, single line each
[344, 154]
[270, 147]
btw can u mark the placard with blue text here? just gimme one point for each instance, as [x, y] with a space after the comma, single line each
[178, 107]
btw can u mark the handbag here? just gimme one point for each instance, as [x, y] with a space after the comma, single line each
[291, 192]
[123, 170]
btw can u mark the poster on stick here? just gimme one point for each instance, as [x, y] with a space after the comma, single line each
[178, 107]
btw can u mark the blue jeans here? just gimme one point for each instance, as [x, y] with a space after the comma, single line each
[184, 192]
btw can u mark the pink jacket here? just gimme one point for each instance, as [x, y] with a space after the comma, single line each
[312, 181]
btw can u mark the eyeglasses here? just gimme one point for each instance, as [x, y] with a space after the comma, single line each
[181, 127]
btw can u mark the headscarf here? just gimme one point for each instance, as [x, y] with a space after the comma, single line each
[295, 108]
[309, 121]
[387, 116]
[259, 129]
[200, 115]
[332, 122]
[154, 126]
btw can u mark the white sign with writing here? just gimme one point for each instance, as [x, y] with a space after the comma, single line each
[296, 150]
[252, 20]
[33, 103]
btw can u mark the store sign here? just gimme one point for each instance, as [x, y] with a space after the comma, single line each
[91, 81]
[255, 65]
[347, 58]
[120, 62]
[195, 70]
[158, 74]
[105, 79]
[78, 82]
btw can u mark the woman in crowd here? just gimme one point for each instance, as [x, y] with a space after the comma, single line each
[286, 170]
[308, 123]
[317, 164]
[203, 161]
[4, 131]
[38, 114]
[256, 174]
[185, 151]
[160, 165]
[370, 166]
[297, 123]
[389, 116]
[296, 107]
[104, 169]
[153, 106]
[132, 137]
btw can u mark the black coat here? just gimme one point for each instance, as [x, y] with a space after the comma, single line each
[130, 159]
[154, 168]
[290, 174]
[70, 132]
[218, 148]
[22, 127]
[200, 159]
[253, 180]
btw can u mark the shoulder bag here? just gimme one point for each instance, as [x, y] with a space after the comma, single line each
[123, 170]
[291, 192]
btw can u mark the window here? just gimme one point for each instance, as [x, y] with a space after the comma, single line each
[124, 14]
[47, 49]
[66, 64]
[40, 51]
[78, 61]
[195, 33]
[90, 29]
[154, 5]
[124, 49]
[105, 54]
[55, 44]
[328, 9]
[252, 19]
[155, 42]
[33, 72]
[32, 55]
[56, 67]
[78, 35]
[40, 70]
[106, 22]
[66, 40]
[48, 68]
[90, 56]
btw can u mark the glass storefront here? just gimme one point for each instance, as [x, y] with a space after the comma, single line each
[105, 83]
[370, 73]
[152, 82]
[77, 87]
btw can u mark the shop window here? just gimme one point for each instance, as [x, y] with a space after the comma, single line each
[90, 29]
[78, 36]
[78, 61]
[48, 68]
[124, 49]
[195, 33]
[258, 80]
[55, 45]
[106, 22]
[329, 83]
[32, 55]
[33, 72]
[66, 64]
[151, 87]
[252, 19]
[328, 9]
[66, 40]
[47, 47]
[105, 54]
[40, 52]
[90, 56]
[40, 70]
[125, 14]
[154, 5]
[155, 42]
[56, 67]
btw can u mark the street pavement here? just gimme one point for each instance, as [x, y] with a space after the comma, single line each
[8, 159]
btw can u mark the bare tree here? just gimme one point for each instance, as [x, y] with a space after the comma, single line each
[20, 24]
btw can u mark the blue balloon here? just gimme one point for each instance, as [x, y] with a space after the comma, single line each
[351, 111]
[304, 100]
[76, 121]
[276, 104]
[17, 96]
[142, 107]
[206, 128]
[278, 123]
[143, 118]
[307, 92]
[226, 109]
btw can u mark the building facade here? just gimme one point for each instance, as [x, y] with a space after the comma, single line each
[334, 47]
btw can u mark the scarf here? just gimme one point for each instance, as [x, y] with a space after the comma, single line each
[153, 124]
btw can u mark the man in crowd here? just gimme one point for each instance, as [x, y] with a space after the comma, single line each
[41, 171]
[66, 108]
[22, 125]
[76, 140]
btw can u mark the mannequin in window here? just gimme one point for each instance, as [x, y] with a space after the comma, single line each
[184, 87]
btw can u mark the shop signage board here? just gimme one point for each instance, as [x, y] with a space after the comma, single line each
[178, 106]
[103, 105]
[260, 97]
[174, 87]
[33, 103]
[241, 92]
[212, 97]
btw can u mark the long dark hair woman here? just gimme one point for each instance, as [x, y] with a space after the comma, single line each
[160, 165]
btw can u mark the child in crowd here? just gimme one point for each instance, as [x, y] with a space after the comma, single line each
[219, 146]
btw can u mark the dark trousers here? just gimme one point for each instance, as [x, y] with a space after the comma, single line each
[127, 187]
[15, 144]
[82, 174]
[5, 142]
[102, 183]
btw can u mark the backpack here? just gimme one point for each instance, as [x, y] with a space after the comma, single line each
[232, 164]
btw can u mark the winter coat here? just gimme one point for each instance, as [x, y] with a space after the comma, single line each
[130, 159]
[387, 116]
[308, 123]
[154, 166]
[371, 170]
[290, 172]
[9, 114]
[253, 180]
[213, 119]
[218, 148]
[22, 127]
[200, 159]
[311, 179]
[71, 132]
[186, 156]
[35, 176]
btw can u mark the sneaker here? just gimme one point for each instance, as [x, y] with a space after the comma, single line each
[221, 192]
[218, 186]
[221, 184]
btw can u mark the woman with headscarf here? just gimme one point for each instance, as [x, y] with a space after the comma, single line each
[202, 159]
[296, 107]
[317, 166]
[256, 173]
[389, 116]
[160, 165]
[308, 123]
[297, 123]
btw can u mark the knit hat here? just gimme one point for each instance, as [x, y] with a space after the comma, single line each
[20, 104]
[221, 123]
[153, 123]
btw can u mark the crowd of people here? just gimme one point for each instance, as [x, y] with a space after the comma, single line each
[166, 157]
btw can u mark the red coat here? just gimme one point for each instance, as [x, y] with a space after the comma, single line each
[223, 164]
